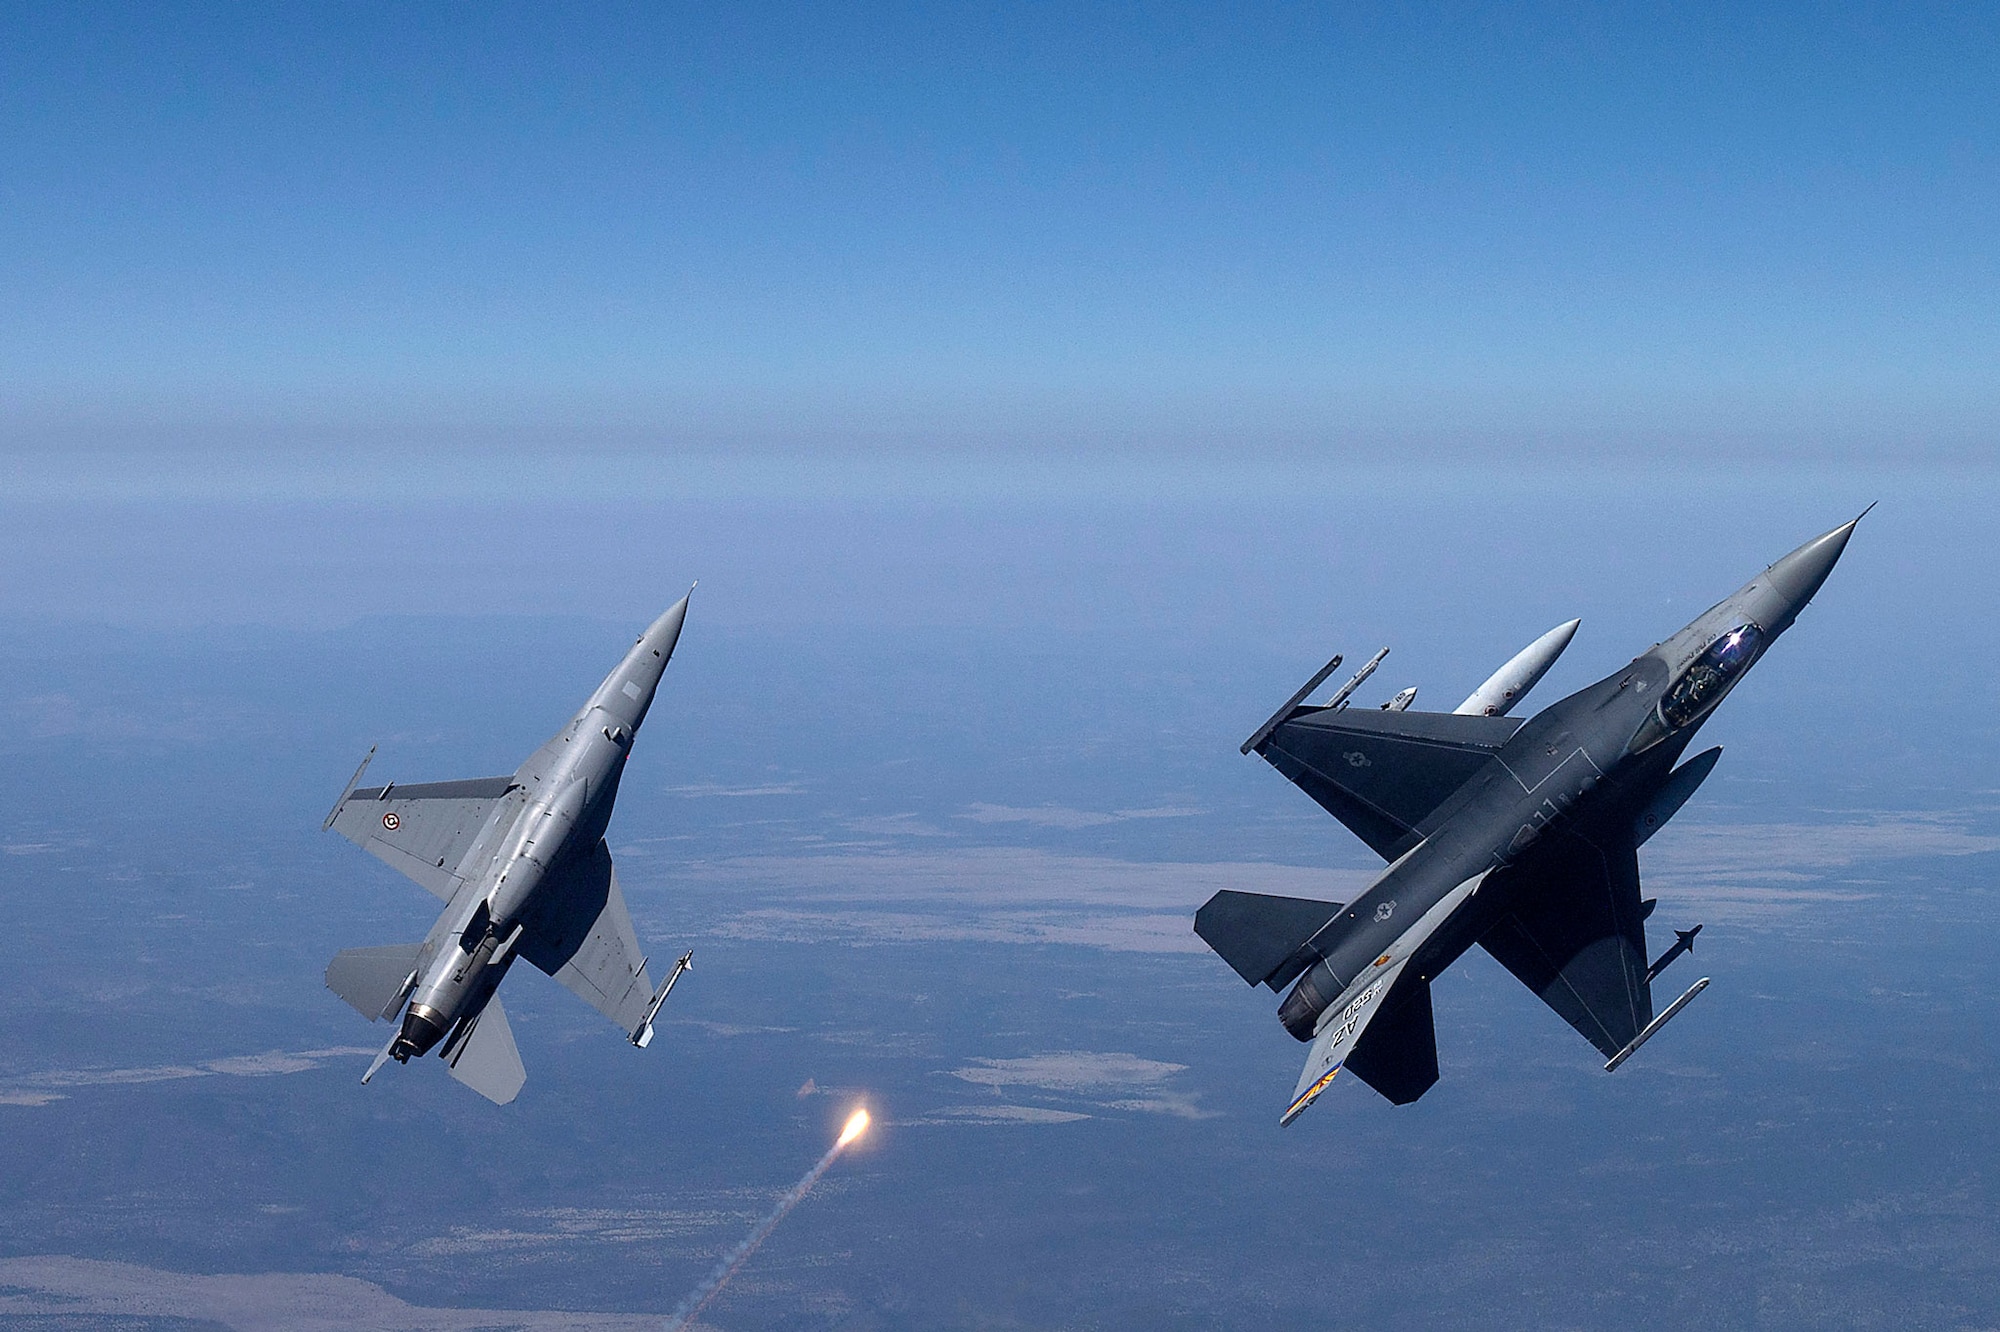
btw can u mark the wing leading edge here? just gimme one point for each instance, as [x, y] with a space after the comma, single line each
[582, 936]
[423, 831]
[1574, 932]
[1383, 773]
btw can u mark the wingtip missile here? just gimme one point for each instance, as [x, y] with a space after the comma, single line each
[642, 1035]
[1291, 705]
[1653, 1026]
[1297, 701]
[348, 790]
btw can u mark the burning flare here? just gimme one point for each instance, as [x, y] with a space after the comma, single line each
[732, 1262]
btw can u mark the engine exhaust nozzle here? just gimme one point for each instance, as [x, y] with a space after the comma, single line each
[422, 1029]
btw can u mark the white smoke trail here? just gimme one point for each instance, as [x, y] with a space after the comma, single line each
[698, 1299]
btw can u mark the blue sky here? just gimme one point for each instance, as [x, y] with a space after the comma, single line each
[1039, 395]
[1298, 229]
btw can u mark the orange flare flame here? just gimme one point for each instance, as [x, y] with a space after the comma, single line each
[857, 1124]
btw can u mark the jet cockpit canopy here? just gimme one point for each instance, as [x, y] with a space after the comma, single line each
[1702, 685]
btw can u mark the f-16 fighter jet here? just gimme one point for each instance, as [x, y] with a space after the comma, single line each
[522, 867]
[1522, 838]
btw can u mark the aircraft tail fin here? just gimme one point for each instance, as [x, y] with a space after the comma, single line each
[485, 1058]
[375, 981]
[1261, 936]
[1398, 1054]
[1341, 1028]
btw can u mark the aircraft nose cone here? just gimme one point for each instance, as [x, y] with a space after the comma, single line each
[1798, 575]
[665, 632]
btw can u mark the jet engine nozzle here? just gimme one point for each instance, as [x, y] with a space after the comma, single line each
[1308, 999]
[422, 1029]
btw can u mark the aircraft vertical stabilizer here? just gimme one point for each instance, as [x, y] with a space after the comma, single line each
[1340, 1029]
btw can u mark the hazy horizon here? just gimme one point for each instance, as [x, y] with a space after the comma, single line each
[1038, 396]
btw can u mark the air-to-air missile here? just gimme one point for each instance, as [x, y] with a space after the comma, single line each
[1520, 837]
[522, 867]
[1683, 943]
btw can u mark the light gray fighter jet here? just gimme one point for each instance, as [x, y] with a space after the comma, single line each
[1520, 837]
[522, 867]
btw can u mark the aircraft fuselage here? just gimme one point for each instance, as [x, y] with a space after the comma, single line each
[1592, 761]
[556, 811]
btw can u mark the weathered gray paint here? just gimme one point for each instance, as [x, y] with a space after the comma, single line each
[521, 865]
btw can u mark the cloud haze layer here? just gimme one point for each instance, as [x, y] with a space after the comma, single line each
[51, 1085]
[1039, 394]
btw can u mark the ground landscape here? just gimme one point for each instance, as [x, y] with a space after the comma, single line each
[1040, 394]
[916, 876]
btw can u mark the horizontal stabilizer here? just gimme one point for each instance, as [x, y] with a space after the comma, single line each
[1259, 935]
[486, 1058]
[374, 980]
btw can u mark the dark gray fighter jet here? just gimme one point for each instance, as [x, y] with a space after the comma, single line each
[1520, 837]
[522, 867]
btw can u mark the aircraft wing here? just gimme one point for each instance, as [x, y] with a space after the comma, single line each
[1575, 934]
[1382, 773]
[581, 934]
[423, 830]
